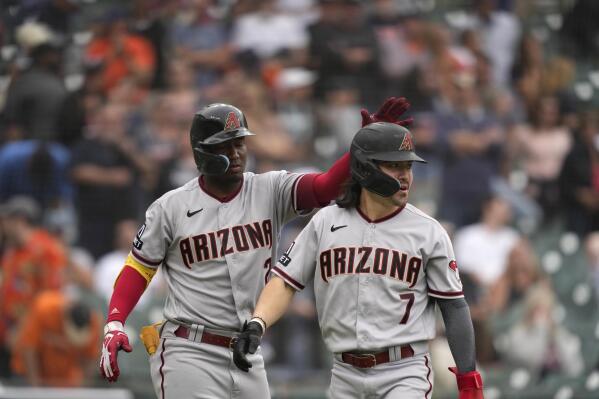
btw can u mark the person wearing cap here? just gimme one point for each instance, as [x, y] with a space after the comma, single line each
[379, 267]
[57, 342]
[33, 260]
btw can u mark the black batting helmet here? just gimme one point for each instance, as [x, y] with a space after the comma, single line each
[380, 141]
[215, 124]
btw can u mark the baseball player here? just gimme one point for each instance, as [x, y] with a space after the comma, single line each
[214, 238]
[378, 265]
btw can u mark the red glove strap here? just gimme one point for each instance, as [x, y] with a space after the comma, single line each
[468, 381]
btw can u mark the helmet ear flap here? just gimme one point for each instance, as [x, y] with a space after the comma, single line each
[210, 164]
[369, 176]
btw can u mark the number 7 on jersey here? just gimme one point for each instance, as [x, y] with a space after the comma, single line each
[410, 298]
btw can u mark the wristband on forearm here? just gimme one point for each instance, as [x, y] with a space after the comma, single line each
[261, 322]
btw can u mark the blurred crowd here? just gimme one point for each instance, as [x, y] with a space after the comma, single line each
[96, 100]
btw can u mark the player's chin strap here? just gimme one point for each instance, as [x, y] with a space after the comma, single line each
[470, 384]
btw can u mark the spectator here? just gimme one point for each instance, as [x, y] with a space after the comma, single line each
[35, 95]
[36, 169]
[58, 341]
[201, 39]
[482, 248]
[344, 46]
[500, 32]
[147, 21]
[579, 178]
[33, 261]
[578, 32]
[538, 342]
[339, 117]
[294, 89]
[403, 49]
[75, 112]
[105, 171]
[535, 74]
[471, 145]
[267, 33]
[521, 273]
[542, 147]
[274, 144]
[123, 54]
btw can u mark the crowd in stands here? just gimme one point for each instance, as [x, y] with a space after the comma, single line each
[96, 101]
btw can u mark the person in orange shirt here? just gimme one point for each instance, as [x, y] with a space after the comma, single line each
[122, 54]
[33, 261]
[58, 342]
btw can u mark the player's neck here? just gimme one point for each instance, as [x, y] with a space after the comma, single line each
[219, 187]
[376, 207]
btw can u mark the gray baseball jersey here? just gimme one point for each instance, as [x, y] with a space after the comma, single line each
[373, 279]
[216, 254]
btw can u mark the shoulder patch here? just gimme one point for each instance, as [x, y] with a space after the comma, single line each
[137, 242]
[285, 259]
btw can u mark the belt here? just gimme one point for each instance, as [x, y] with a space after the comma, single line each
[368, 360]
[207, 338]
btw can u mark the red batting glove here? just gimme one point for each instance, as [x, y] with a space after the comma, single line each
[470, 384]
[115, 339]
[390, 112]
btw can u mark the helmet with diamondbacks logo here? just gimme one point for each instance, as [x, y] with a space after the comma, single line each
[215, 124]
[380, 141]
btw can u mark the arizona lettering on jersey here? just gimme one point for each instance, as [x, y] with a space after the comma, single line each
[217, 244]
[381, 261]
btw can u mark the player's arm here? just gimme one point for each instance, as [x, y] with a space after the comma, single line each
[444, 284]
[315, 190]
[274, 301]
[460, 336]
[128, 288]
[459, 331]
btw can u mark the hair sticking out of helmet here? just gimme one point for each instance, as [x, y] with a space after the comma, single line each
[215, 124]
[380, 141]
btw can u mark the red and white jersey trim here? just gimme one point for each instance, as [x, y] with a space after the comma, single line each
[288, 279]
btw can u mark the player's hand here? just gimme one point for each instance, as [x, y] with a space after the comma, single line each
[391, 110]
[470, 384]
[247, 342]
[115, 339]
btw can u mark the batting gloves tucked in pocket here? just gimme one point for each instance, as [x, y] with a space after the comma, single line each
[115, 339]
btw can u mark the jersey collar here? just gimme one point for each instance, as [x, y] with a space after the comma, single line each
[389, 216]
[228, 198]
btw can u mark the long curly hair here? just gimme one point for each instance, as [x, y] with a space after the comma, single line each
[350, 195]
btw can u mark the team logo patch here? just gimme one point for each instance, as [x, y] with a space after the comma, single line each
[285, 259]
[138, 243]
[407, 144]
[453, 265]
[232, 121]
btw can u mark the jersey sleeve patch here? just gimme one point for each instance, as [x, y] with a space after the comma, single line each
[144, 261]
[288, 279]
[445, 294]
[146, 272]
